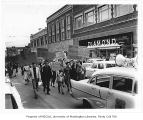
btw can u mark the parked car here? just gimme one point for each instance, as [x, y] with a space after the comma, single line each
[112, 88]
[12, 97]
[97, 66]
[92, 60]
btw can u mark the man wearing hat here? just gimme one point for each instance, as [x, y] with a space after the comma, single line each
[47, 75]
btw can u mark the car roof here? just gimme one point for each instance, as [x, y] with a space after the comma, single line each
[123, 71]
[110, 62]
[94, 59]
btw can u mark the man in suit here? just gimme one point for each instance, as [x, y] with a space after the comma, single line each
[47, 75]
[36, 77]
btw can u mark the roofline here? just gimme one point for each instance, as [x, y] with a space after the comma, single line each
[39, 32]
[58, 13]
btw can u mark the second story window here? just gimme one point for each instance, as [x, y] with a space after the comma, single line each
[120, 10]
[68, 32]
[34, 43]
[42, 41]
[104, 13]
[90, 18]
[46, 40]
[78, 22]
[57, 31]
[62, 30]
[49, 34]
[37, 42]
[53, 32]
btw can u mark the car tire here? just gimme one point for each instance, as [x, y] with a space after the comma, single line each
[86, 104]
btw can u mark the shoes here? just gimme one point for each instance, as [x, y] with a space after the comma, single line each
[37, 89]
[63, 93]
[43, 90]
[36, 97]
[53, 86]
[48, 93]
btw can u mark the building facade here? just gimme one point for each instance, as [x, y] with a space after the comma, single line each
[59, 30]
[106, 29]
[39, 40]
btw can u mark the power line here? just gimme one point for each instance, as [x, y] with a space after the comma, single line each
[37, 9]
[27, 8]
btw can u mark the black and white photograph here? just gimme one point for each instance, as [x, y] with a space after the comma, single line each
[65, 56]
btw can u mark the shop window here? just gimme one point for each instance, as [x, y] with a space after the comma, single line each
[122, 10]
[90, 18]
[122, 84]
[78, 22]
[104, 13]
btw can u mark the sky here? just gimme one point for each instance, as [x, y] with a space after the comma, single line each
[21, 19]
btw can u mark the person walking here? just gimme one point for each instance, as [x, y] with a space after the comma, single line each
[47, 75]
[67, 75]
[36, 77]
[53, 78]
[73, 73]
[60, 81]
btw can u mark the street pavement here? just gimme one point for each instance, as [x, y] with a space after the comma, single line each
[53, 101]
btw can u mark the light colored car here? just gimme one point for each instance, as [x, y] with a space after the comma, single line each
[92, 60]
[97, 66]
[112, 88]
[12, 97]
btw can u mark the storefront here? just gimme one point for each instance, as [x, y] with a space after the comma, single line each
[108, 46]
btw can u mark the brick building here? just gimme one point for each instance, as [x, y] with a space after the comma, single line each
[106, 29]
[59, 30]
[39, 40]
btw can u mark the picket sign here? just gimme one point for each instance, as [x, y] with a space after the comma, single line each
[56, 66]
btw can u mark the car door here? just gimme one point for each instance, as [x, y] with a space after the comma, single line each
[120, 96]
[85, 89]
[104, 83]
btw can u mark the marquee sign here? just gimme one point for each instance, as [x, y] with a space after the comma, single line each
[103, 43]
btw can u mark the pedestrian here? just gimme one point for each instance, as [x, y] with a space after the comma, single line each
[25, 69]
[53, 78]
[47, 75]
[36, 77]
[81, 71]
[73, 72]
[67, 75]
[60, 80]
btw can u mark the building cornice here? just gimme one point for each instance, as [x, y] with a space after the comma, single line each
[59, 13]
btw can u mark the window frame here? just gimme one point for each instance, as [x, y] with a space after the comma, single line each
[53, 32]
[68, 26]
[62, 28]
[127, 77]
[115, 10]
[94, 17]
[77, 16]
[98, 13]
[95, 77]
[57, 31]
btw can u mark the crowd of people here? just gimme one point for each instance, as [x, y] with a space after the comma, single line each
[43, 72]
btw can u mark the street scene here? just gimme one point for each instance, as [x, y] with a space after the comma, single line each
[78, 57]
